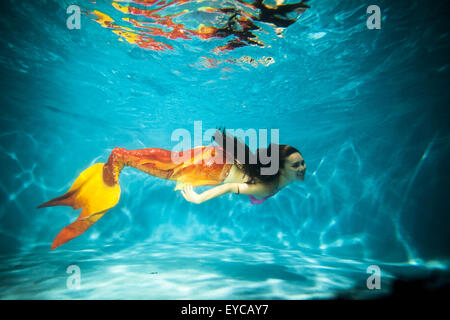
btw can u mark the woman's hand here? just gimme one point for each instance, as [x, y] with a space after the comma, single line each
[190, 195]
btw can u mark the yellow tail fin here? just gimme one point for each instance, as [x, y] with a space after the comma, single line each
[90, 193]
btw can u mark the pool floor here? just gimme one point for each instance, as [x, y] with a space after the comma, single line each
[199, 270]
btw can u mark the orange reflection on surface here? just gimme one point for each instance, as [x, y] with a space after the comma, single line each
[188, 19]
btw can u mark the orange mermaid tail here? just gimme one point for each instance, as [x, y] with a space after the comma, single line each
[96, 190]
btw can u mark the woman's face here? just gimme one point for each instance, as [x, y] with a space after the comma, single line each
[295, 167]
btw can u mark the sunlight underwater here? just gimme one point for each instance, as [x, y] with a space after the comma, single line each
[367, 109]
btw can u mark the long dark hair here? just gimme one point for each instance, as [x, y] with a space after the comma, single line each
[254, 168]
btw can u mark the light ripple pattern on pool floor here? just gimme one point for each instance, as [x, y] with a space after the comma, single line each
[200, 270]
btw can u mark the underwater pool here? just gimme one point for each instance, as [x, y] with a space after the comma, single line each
[368, 108]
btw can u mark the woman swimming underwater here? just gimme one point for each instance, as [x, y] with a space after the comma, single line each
[96, 190]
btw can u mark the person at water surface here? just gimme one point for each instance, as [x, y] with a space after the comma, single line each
[96, 190]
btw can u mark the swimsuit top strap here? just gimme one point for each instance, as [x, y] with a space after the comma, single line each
[253, 200]
[249, 179]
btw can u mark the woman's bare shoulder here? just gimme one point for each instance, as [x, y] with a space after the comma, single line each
[236, 175]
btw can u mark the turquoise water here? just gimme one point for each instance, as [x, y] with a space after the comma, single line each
[367, 108]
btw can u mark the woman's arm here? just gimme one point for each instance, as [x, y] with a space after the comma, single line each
[258, 189]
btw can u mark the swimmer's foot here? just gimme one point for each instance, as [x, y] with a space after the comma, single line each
[90, 193]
